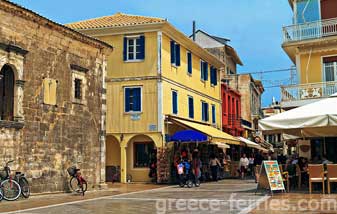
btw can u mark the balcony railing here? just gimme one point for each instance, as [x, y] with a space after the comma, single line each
[310, 30]
[308, 91]
[234, 120]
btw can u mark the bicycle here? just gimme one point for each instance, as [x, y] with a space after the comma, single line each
[23, 182]
[77, 183]
[11, 189]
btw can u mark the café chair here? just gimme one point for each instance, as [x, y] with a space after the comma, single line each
[285, 177]
[299, 176]
[292, 175]
[316, 175]
[331, 175]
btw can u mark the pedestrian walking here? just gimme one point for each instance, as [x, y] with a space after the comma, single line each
[214, 165]
[243, 165]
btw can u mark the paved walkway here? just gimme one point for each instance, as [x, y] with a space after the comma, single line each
[292, 203]
[54, 199]
[227, 196]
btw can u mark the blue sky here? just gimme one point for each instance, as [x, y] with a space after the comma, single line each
[254, 26]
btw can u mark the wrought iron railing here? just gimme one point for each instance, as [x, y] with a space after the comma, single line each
[234, 120]
[308, 91]
[310, 30]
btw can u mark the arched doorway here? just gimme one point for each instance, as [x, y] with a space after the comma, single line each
[7, 81]
[112, 160]
[141, 151]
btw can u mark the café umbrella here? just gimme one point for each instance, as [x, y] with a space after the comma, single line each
[312, 120]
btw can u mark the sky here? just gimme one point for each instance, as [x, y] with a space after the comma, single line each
[253, 26]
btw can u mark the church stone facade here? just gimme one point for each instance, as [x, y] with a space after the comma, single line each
[52, 100]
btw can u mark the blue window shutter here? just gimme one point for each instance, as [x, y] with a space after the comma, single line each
[136, 99]
[189, 62]
[173, 50]
[207, 112]
[174, 102]
[127, 100]
[203, 115]
[190, 107]
[142, 47]
[215, 76]
[206, 71]
[213, 114]
[202, 70]
[177, 55]
[125, 47]
[212, 75]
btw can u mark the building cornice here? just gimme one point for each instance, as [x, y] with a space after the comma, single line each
[27, 14]
[167, 29]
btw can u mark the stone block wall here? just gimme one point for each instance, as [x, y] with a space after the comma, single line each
[53, 137]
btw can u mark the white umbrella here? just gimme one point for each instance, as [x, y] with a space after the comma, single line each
[312, 120]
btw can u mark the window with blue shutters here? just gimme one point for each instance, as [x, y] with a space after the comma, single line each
[190, 107]
[213, 115]
[175, 53]
[134, 48]
[204, 111]
[174, 102]
[189, 62]
[133, 99]
[204, 70]
[214, 77]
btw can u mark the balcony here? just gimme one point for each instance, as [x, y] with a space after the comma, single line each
[297, 95]
[310, 30]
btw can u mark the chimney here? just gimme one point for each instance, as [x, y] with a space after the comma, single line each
[193, 33]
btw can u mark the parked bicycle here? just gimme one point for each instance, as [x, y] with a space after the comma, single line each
[77, 183]
[10, 188]
[23, 182]
[1, 194]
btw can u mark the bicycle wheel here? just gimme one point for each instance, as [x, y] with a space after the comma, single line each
[74, 185]
[84, 186]
[1, 194]
[25, 190]
[11, 190]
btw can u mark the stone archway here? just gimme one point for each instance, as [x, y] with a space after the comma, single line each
[139, 150]
[112, 158]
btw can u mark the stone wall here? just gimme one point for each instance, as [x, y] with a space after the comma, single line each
[53, 137]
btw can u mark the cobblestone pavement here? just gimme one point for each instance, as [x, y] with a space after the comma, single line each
[227, 196]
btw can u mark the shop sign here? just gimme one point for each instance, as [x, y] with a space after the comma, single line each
[270, 176]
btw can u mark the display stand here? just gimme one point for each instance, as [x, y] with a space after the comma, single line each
[270, 177]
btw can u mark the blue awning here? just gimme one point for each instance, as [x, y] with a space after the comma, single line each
[189, 136]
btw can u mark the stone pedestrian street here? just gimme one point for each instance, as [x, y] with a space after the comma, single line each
[226, 196]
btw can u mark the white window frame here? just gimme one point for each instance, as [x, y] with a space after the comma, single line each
[335, 71]
[141, 99]
[134, 38]
[81, 76]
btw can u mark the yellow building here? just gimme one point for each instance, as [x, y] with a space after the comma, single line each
[158, 82]
[311, 43]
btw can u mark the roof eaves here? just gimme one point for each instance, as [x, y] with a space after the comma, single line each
[71, 32]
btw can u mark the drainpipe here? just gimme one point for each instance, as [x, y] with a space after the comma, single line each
[193, 33]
